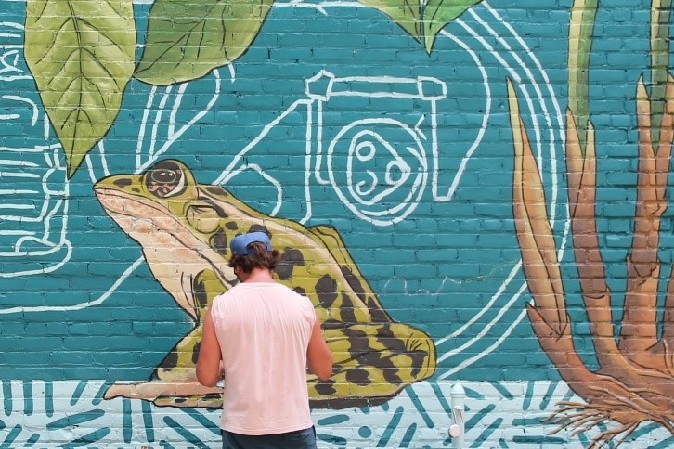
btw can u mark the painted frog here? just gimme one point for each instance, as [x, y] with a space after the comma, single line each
[184, 229]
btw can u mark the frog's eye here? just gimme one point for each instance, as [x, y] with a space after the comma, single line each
[165, 179]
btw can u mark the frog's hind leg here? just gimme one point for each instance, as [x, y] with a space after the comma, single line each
[372, 363]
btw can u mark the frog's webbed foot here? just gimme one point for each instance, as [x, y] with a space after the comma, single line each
[373, 362]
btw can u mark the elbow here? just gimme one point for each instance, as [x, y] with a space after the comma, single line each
[205, 380]
[324, 372]
[208, 383]
[324, 375]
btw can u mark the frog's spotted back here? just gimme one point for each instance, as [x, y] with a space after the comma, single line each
[191, 226]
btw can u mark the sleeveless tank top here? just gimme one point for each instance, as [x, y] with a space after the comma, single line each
[263, 329]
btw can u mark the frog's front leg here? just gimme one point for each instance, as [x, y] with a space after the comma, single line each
[174, 382]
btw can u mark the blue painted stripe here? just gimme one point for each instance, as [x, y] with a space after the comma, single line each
[486, 433]
[100, 394]
[89, 438]
[7, 393]
[34, 438]
[419, 406]
[127, 421]
[49, 398]
[2, 425]
[528, 395]
[11, 436]
[527, 422]
[183, 432]
[503, 390]
[332, 439]
[166, 445]
[407, 438]
[545, 402]
[391, 427]
[147, 420]
[28, 398]
[204, 421]
[441, 398]
[75, 419]
[336, 419]
[665, 444]
[470, 393]
[479, 416]
[77, 394]
[539, 439]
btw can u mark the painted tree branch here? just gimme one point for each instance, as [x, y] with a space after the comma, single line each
[639, 324]
[634, 382]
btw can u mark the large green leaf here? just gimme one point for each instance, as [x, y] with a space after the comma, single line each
[188, 39]
[81, 55]
[422, 19]
[405, 13]
[439, 13]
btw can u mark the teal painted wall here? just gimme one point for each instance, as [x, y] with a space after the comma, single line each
[335, 115]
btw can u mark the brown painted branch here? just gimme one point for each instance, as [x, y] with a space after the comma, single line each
[639, 327]
[666, 137]
[637, 391]
[581, 176]
[534, 233]
[668, 318]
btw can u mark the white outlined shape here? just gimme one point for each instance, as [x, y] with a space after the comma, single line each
[34, 189]
[367, 208]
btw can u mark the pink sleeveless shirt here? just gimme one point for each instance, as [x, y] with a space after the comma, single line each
[263, 329]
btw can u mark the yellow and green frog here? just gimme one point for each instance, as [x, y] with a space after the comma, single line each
[184, 229]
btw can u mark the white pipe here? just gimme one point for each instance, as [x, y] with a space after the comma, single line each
[456, 430]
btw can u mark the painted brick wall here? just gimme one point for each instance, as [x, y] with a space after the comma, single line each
[491, 176]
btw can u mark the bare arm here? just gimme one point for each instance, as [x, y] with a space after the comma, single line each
[319, 357]
[209, 363]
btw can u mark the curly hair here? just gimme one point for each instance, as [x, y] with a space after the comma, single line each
[259, 257]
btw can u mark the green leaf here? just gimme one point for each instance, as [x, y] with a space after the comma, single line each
[439, 13]
[81, 55]
[405, 13]
[188, 39]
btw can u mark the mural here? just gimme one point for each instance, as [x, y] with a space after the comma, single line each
[374, 143]
[185, 229]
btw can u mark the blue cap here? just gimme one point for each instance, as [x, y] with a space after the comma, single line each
[239, 244]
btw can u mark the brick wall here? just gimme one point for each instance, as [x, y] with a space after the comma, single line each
[397, 139]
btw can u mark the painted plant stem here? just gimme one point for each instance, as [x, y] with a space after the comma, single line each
[581, 26]
[660, 16]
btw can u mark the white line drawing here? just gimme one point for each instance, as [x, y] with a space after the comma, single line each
[497, 306]
[34, 187]
[361, 142]
[506, 47]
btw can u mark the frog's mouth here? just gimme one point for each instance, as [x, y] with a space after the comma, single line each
[166, 243]
[144, 220]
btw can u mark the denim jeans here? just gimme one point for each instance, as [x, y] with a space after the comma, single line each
[300, 439]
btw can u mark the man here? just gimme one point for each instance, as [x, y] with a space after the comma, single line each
[261, 336]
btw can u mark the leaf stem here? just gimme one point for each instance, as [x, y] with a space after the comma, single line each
[581, 26]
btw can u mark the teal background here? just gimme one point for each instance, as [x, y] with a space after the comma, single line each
[433, 270]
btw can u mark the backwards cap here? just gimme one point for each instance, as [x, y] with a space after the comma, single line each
[239, 244]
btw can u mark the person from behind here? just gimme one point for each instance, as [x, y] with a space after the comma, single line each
[261, 336]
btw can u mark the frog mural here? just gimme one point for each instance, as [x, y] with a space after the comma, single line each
[184, 229]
